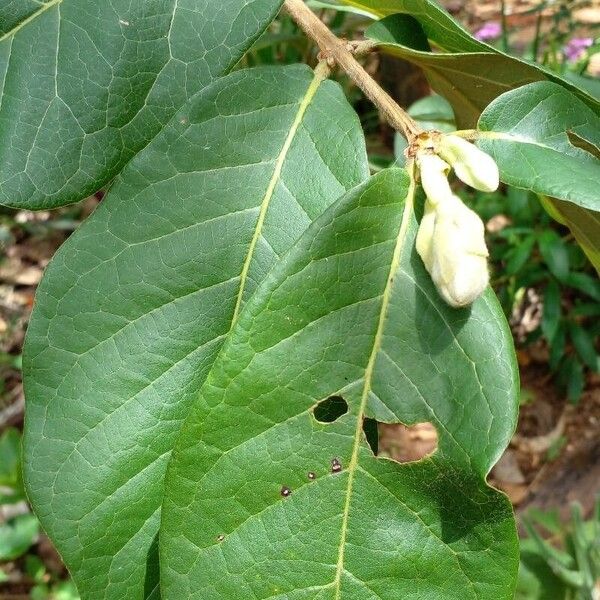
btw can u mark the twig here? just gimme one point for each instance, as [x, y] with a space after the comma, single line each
[339, 52]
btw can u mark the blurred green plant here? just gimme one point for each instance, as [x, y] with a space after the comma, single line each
[19, 533]
[536, 254]
[540, 261]
[565, 565]
[11, 480]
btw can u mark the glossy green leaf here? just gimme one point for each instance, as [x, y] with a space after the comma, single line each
[136, 304]
[468, 73]
[86, 84]
[528, 139]
[264, 501]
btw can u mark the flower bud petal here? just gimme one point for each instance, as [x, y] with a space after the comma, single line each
[424, 241]
[454, 253]
[434, 177]
[471, 165]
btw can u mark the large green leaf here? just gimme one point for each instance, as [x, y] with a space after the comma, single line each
[469, 73]
[135, 306]
[264, 501]
[86, 84]
[531, 132]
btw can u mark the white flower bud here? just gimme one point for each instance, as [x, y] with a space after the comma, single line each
[424, 241]
[471, 165]
[451, 243]
[434, 177]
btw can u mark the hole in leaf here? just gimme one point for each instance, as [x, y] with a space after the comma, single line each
[370, 429]
[407, 444]
[330, 409]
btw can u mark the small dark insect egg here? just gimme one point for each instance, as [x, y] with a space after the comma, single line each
[336, 466]
[285, 491]
[311, 475]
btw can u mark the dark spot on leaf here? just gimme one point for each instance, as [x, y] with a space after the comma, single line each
[330, 409]
[220, 538]
[285, 491]
[311, 475]
[336, 466]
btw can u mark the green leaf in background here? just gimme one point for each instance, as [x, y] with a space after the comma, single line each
[570, 375]
[17, 535]
[528, 139]
[469, 73]
[431, 112]
[552, 310]
[136, 304]
[585, 283]
[463, 79]
[518, 255]
[584, 344]
[86, 84]
[555, 253]
[537, 581]
[585, 226]
[10, 467]
[264, 501]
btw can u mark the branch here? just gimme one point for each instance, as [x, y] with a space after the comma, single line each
[334, 49]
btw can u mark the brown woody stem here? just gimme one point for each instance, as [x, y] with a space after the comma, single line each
[335, 50]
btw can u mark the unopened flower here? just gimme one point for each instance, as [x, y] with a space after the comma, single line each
[471, 165]
[489, 31]
[434, 176]
[451, 243]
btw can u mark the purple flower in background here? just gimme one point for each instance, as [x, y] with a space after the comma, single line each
[490, 31]
[576, 48]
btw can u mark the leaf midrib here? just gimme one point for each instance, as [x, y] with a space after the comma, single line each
[368, 377]
[30, 18]
[318, 78]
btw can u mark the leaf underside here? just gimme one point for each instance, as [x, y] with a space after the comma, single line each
[469, 73]
[136, 304]
[264, 501]
[86, 84]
